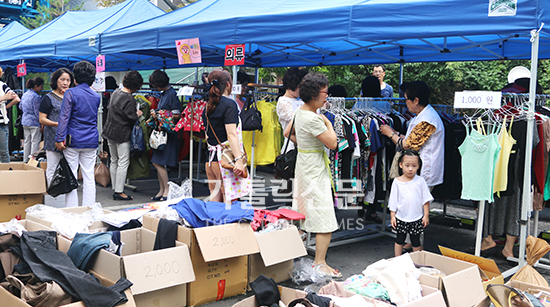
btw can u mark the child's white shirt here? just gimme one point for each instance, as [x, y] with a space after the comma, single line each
[408, 198]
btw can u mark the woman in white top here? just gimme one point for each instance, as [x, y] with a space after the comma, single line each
[290, 101]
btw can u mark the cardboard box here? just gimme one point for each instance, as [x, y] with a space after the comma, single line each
[159, 277]
[490, 274]
[278, 249]
[97, 226]
[220, 259]
[11, 300]
[430, 297]
[461, 287]
[21, 186]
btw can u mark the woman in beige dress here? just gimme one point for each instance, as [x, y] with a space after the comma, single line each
[312, 190]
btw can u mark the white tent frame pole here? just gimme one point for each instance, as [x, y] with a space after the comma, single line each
[527, 201]
[479, 227]
[191, 101]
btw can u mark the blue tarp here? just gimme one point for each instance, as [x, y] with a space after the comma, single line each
[327, 32]
[14, 29]
[305, 33]
[74, 34]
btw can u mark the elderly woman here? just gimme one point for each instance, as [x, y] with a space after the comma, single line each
[222, 124]
[62, 80]
[121, 118]
[425, 133]
[313, 197]
[30, 103]
[78, 118]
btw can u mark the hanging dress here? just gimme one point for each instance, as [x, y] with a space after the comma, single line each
[506, 141]
[479, 156]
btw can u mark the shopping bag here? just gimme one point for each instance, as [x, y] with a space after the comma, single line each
[102, 174]
[63, 180]
[251, 118]
[285, 163]
[506, 296]
[158, 140]
[137, 142]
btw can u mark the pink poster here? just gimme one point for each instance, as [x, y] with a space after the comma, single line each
[100, 63]
[189, 51]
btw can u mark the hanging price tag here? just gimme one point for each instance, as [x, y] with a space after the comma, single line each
[236, 89]
[186, 91]
[477, 100]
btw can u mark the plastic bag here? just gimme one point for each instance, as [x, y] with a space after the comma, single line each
[306, 271]
[183, 191]
[12, 226]
[169, 213]
[63, 180]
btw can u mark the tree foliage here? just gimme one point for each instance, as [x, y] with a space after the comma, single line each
[444, 78]
[47, 13]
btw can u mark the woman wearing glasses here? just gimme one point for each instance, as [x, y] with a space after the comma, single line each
[313, 196]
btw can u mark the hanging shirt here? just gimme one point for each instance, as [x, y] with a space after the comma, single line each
[506, 141]
[479, 156]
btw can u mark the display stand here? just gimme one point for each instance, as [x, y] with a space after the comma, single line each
[370, 231]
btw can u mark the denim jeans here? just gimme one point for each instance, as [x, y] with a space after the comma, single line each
[4, 144]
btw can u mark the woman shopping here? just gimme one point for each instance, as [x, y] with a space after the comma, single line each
[78, 123]
[312, 186]
[221, 118]
[62, 80]
[168, 156]
[30, 103]
[121, 118]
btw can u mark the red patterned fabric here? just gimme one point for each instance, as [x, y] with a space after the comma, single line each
[185, 121]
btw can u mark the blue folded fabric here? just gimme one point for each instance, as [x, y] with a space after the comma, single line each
[85, 245]
[200, 214]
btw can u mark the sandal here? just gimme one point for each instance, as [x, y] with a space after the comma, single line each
[336, 274]
[156, 198]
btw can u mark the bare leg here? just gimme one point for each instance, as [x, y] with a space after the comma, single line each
[215, 184]
[322, 240]
[488, 243]
[162, 175]
[508, 250]
[398, 249]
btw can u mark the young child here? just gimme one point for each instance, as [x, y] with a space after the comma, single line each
[409, 202]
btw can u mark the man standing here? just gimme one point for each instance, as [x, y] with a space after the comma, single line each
[386, 90]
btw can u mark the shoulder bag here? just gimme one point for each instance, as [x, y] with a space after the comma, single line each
[251, 118]
[285, 163]
[158, 140]
[228, 158]
[137, 141]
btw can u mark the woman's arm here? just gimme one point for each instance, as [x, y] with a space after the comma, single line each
[329, 136]
[43, 119]
[233, 139]
[416, 139]
[290, 134]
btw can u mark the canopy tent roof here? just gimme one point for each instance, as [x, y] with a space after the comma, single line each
[346, 32]
[73, 36]
[299, 33]
[14, 29]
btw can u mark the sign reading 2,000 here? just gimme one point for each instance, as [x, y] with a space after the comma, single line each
[223, 241]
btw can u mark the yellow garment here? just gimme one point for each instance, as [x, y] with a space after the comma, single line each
[506, 142]
[268, 141]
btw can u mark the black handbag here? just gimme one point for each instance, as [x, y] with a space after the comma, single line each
[285, 163]
[63, 180]
[251, 118]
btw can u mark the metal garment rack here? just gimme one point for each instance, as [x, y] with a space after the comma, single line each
[371, 231]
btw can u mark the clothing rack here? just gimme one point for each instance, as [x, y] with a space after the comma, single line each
[371, 231]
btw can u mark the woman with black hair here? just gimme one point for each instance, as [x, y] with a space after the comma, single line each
[290, 101]
[121, 119]
[160, 81]
[78, 119]
[30, 103]
[313, 197]
[222, 125]
[62, 80]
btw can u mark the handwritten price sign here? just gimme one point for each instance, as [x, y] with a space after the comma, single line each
[154, 271]
[477, 100]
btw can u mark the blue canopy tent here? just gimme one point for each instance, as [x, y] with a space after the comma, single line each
[348, 32]
[14, 29]
[73, 36]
